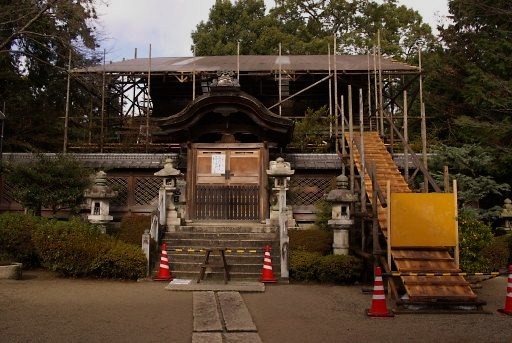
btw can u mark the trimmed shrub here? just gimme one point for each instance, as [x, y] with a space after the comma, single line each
[497, 254]
[68, 247]
[74, 248]
[303, 265]
[312, 266]
[120, 261]
[312, 240]
[473, 237]
[340, 269]
[16, 238]
[132, 228]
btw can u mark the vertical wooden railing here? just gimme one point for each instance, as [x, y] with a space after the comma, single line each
[233, 202]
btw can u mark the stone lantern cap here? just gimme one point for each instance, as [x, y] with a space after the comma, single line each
[168, 170]
[100, 189]
[280, 168]
[341, 193]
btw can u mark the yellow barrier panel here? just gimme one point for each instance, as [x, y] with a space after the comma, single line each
[423, 220]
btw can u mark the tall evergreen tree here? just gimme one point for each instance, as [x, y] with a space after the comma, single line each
[469, 84]
[36, 37]
[243, 21]
[308, 27]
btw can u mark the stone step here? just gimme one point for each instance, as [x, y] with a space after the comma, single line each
[225, 243]
[217, 275]
[226, 228]
[186, 249]
[220, 235]
[232, 268]
[256, 258]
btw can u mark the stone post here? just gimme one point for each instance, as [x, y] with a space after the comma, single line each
[281, 172]
[340, 222]
[146, 243]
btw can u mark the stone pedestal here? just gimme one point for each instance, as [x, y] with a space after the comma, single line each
[340, 244]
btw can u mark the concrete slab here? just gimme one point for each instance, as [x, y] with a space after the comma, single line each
[207, 337]
[242, 337]
[238, 286]
[235, 313]
[205, 312]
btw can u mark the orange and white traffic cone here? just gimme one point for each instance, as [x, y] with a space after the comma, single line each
[508, 301]
[164, 273]
[378, 307]
[267, 276]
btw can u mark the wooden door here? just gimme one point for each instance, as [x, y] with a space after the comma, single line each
[227, 183]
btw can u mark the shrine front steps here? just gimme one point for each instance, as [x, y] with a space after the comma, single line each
[245, 244]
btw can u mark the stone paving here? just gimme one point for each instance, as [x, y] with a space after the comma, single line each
[222, 317]
[192, 285]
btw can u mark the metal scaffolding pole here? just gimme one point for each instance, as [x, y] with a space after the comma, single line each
[406, 138]
[375, 89]
[194, 76]
[381, 106]
[330, 97]
[335, 51]
[280, 82]
[148, 100]
[423, 124]
[66, 117]
[351, 143]
[102, 138]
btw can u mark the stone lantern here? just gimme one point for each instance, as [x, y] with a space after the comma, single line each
[506, 215]
[169, 196]
[281, 172]
[99, 195]
[341, 199]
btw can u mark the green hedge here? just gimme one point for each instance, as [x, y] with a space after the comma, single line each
[497, 253]
[312, 240]
[69, 247]
[304, 265]
[339, 269]
[474, 236]
[120, 261]
[16, 239]
[312, 266]
[132, 227]
[74, 248]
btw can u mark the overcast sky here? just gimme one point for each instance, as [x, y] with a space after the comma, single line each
[167, 24]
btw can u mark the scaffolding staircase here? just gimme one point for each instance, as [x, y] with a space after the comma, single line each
[453, 290]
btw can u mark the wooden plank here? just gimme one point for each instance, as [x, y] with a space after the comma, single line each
[424, 258]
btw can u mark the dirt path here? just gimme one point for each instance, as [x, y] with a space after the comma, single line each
[305, 313]
[43, 308]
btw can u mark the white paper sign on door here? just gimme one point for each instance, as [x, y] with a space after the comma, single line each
[218, 163]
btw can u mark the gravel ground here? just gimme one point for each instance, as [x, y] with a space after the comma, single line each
[45, 308]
